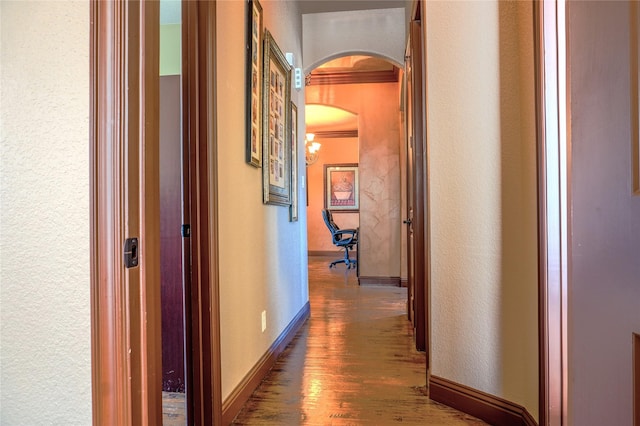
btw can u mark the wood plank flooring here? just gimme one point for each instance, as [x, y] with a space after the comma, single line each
[173, 409]
[353, 363]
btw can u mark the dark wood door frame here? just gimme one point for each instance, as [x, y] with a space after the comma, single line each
[419, 218]
[409, 177]
[125, 302]
[202, 287]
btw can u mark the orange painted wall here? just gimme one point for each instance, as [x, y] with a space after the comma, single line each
[333, 151]
[378, 110]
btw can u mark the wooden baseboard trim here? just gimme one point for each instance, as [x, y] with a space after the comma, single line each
[353, 254]
[390, 281]
[326, 253]
[234, 402]
[491, 409]
[404, 282]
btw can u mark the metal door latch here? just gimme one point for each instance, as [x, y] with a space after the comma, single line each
[131, 252]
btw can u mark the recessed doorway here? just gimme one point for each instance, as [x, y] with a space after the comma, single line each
[173, 227]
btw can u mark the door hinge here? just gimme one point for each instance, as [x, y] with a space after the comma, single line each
[185, 231]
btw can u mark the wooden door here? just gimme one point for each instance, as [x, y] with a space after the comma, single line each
[416, 182]
[171, 259]
[410, 195]
[125, 306]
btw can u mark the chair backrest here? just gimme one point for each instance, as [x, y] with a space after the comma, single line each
[333, 228]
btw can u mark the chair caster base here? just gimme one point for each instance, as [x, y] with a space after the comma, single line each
[350, 265]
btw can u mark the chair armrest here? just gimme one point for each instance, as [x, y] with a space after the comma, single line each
[347, 231]
[347, 235]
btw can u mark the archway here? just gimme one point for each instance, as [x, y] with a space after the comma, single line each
[369, 87]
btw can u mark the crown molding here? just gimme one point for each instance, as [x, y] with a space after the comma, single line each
[350, 77]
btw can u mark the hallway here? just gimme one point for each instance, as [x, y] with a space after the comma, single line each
[353, 362]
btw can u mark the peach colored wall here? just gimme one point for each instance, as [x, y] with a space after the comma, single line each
[377, 106]
[333, 151]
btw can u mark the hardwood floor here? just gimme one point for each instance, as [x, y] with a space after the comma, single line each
[173, 409]
[353, 363]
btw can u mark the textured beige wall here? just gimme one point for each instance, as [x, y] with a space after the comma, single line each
[377, 106]
[481, 141]
[263, 256]
[333, 151]
[45, 331]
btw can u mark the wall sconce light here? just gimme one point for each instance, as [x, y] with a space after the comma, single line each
[311, 149]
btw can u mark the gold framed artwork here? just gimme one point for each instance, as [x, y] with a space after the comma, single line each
[293, 209]
[254, 46]
[341, 187]
[276, 125]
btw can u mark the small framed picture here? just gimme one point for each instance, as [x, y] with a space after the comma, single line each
[341, 187]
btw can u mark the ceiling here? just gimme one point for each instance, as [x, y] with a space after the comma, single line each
[328, 119]
[355, 63]
[170, 9]
[345, 70]
[321, 6]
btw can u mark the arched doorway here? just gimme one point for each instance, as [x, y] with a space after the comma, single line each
[369, 87]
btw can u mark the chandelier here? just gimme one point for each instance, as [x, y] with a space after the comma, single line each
[311, 149]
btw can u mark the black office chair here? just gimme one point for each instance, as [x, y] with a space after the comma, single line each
[343, 238]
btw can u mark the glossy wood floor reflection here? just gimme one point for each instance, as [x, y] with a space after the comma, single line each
[173, 409]
[353, 363]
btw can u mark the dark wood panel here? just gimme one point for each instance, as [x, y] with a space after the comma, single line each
[173, 377]
[356, 77]
[325, 134]
[204, 387]
[125, 303]
[419, 187]
[492, 409]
